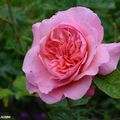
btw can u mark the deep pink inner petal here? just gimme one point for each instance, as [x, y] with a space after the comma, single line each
[64, 49]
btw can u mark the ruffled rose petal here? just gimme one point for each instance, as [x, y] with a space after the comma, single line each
[35, 71]
[114, 51]
[54, 96]
[87, 23]
[31, 88]
[78, 89]
[102, 56]
[36, 33]
[73, 90]
[92, 48]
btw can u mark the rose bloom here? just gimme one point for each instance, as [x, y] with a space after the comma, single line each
[66, 54]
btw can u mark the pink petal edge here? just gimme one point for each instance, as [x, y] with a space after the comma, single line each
[111, 65]
[36, 73]
[102, 56]
[70, 16]
[74, 90]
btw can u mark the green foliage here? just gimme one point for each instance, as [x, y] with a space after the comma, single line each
[5, 93]
[82, 101]
[63, 103]
[68, 109]
[20, 87]
[109, 84]
[14, 44]
[19, 83]
[61, 114]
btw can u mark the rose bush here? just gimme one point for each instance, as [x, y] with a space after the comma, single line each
[66, 54]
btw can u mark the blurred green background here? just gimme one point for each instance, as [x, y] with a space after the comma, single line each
[16, 19]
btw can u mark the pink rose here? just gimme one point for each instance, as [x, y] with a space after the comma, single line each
[66, 53]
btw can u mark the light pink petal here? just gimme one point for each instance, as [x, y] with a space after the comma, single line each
[54, 96]
[78, 89]
[31, 88]
[35, 72]
[87, 23]
[102, 56]
[92, 48]
[74, 90]
[36, 33]
[90, 18]
[114, 51]
[49, 99]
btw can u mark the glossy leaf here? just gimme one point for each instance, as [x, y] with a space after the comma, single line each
[109, 84]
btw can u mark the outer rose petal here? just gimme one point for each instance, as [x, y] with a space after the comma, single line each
[114, 51]
[54, 96]
[31, 88]
[102, 56]
[92, 48]
[36, 73]
[36, 33]
[79, 88]
[74, 90]
[87, 22]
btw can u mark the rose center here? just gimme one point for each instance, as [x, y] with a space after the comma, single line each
[64, 48]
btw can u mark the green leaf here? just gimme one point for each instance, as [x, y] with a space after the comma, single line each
[109, 84]
[5, 93]
[20, 83]
[61, 114]
[63, 103]
[20, 86]
[82, 101]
